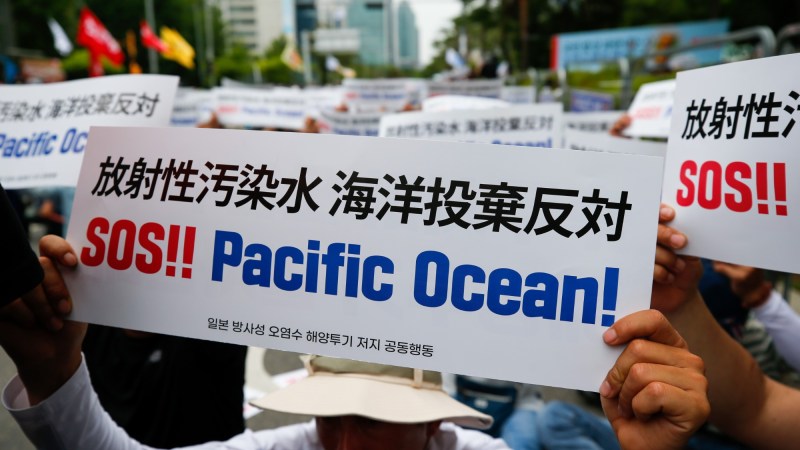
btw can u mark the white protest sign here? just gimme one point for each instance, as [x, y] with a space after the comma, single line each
[353, 124]
[526, 125]
[43, 127]
[475, 88]
[595, 122]
[191, 107]
[376, 95]
[280, 108]
[519, 95]
[366, 248]
[731, 160]
[460, 102]
[600, 142]
[651, 110]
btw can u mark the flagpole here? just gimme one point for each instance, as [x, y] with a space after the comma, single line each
[151, 20]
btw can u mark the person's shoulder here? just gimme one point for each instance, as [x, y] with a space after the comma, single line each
[453, 437]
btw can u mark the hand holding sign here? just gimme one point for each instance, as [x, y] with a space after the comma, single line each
[655, 395]
[675, 277]
[45, 359]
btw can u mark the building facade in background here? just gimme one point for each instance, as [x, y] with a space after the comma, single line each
[253, 23]
[406, 37]
[381, 32]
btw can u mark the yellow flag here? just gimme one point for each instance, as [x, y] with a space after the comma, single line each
[178, 49]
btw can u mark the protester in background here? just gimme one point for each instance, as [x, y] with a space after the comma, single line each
[755, 293]
[654, 396]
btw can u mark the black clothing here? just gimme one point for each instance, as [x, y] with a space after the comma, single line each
[168, 391]
[20, 270]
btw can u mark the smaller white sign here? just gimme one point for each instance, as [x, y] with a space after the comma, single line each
[259, 108]
[732, 160]
[599, 142]
[44, 127]
[651, 110]
[346, 123]
[191, 107]
[460, 102]
[528, 125]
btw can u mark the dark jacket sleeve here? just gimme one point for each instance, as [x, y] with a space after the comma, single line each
[19, 267]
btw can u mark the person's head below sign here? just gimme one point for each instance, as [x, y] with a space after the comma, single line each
[361, 405]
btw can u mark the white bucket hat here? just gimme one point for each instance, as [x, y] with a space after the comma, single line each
[341, 387]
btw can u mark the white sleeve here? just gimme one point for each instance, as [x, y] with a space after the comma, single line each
[783, 325]
[72, 418]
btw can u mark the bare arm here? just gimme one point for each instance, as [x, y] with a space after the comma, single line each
[745, 404]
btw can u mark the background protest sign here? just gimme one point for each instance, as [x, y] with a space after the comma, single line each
[595, 122]
[43, 127]
[260, 108]
[600, 142]
[732, 153]
[378, 95]
[474, 88]
[191, 107]
[353, 124]
[460, 102]
[651, 110]
[527, 125]
[519, 95]
[368, 249]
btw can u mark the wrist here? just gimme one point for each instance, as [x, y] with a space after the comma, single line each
[43, 380]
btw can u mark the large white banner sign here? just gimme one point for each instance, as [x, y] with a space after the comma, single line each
[600, 142]
[527, 125]
[651, 110]
[261, 108]
[409, 253]
[732, 159]
[352, 124]
[43, 127]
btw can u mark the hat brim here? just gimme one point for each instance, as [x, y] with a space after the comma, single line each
[327, 396]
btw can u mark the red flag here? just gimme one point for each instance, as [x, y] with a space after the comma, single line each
[149, 39]
[93, 35]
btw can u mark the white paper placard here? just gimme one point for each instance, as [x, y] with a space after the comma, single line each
[352, 124]
[341, 254]
[260, 108]
[525, 125]
[43, 127]
[599, 142]
[731, 159]
[651, 110]
[594, 122]
[191, 107]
